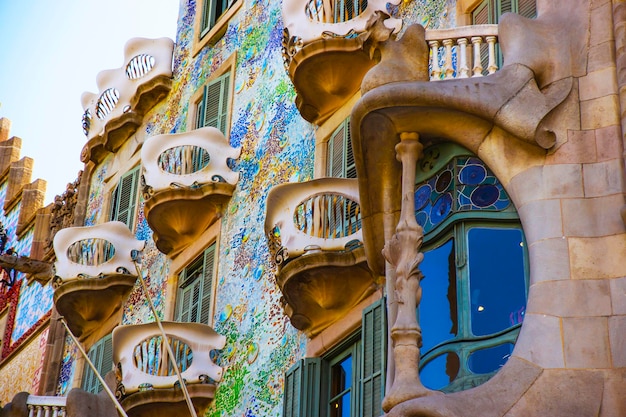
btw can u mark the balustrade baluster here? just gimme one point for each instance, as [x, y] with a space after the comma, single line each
[492, 67]
[435, 70]
[448, 68]
[478, 66]
[462, 67]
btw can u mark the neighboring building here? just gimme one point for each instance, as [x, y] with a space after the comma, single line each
[336, 212]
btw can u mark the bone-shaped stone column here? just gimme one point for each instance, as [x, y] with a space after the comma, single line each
[403, 254]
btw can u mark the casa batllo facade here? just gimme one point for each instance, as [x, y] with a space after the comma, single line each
[348, 209]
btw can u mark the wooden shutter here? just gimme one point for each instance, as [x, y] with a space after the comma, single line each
[207, 17]
[505, 6]
[302, 389]
[207, 284]
[373, 358]
[101, 355]
[481, 14]
[340, 159]
[125, 198]
[196, 289]
[527, 8]
[216, 96]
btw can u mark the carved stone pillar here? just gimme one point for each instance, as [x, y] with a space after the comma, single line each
[402, 252]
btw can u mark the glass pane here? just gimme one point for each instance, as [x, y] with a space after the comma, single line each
[491, 359]
[439, 372]
[497, 279]
[438, 316]
[340, 384]
[341, 376]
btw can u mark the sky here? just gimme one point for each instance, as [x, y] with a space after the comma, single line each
[50, 53]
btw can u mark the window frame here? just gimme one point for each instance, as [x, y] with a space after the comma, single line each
[308, 381]
[197, 106]
[131, 211]
[184, 284]
[208, 36]
[456, 227]
[90, 382]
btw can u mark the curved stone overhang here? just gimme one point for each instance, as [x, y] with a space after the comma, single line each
[326, 73]
[92, 307]
[320, 288]
[464, 111]
[178, 216]
[169, 402]
[144, 81]
[119, 129]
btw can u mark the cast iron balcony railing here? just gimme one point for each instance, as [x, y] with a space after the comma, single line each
[187, 182]
[94, 275]
[125, 95]
[314, 234]
[147, 383]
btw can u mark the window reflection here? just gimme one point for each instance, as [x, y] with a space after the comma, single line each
[496, 275]
[340, 387]
[490, 359]
[441, 371]
[438, 309]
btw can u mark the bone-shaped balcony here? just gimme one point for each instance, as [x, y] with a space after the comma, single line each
[186, 182]
[323, 53]
[314, 234]
[147, 383]
[94, 275]
[125, 95]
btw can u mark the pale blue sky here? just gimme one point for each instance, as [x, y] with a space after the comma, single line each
[50, 53]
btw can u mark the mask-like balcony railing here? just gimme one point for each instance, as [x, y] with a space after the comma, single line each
[95, 273]
[125, 95]
[46, 406]
[463, 52]
[314, 234]
[323, 53]
[147, 383]
[186, 182]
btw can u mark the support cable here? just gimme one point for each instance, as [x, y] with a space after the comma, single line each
[165, 339]
[93, 368]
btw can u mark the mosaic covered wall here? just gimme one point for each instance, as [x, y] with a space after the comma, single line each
[23, 371]
[277, 146]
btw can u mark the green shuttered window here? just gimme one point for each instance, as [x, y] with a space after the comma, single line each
[340, 158]
[124, 199]
[489, 11]
[196, 289]
[212, 10]
[349, 381]
[212, 109]
[101, 355]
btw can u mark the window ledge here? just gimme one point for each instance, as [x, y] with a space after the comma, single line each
[217, 31]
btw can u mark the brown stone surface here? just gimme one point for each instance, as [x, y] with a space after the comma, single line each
[17, 407]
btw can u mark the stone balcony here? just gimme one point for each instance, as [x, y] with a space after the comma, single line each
[46, 406]
[94, 275]
[323, 53]
[187, 181]
[314, 234]
[125, 95]
[147, 383]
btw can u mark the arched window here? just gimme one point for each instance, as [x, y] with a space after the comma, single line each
[475, 269]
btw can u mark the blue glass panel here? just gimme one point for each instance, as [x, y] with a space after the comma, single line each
[441, 209]
[472, 174]
[490, 359]
[485, 195]
[438, 308]
[439, 372]
[422, 196]
[497, 282]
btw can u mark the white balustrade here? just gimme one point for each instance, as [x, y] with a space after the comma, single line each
[94, 250]
[46, 406]
[457, 41]
[143, 360]
[187, 159]
[322, 214]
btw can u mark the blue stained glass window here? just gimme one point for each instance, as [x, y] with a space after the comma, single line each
[475, 275]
